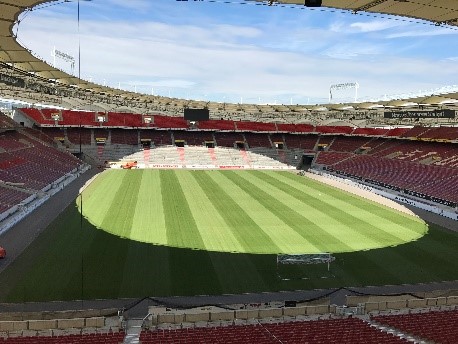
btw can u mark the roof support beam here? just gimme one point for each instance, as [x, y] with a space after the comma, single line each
[370, 5]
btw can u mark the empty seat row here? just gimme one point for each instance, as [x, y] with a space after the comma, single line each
[435, 326]
[313, 332]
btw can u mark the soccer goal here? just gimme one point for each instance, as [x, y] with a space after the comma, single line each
[304, 266]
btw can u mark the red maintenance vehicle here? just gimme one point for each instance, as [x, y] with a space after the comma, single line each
[2, 252]
[129, 165]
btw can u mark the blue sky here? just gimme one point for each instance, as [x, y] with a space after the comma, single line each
[243, 53]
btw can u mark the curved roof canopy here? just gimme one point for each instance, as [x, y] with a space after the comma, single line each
[439, 12]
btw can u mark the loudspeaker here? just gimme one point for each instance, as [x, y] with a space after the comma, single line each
[312, 3]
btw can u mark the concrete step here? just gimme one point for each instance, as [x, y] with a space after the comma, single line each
[132, 339]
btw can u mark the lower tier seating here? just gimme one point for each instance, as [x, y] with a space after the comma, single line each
[403, 175]
[26, 163]
[438, 327]
[89, 338]
[342, 331]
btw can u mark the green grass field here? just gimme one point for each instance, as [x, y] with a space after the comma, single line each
[241, 211]
[74, 260]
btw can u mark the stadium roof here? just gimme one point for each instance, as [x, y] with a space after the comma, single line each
[438, 12]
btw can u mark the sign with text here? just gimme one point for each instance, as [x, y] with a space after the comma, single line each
[446, 113]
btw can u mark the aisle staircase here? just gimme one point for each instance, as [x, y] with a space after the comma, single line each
[133, 329]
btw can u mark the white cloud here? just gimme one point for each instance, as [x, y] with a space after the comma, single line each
[137, 5]
[233, 61]
[430, 31]
[375, 25]
[352, 50]
[343, 27]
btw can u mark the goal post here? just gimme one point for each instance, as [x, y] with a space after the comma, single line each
[304, 266]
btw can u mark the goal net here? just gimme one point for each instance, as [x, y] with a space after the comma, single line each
[304, 266]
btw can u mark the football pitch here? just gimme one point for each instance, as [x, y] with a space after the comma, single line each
[258, 212]
[159, 220]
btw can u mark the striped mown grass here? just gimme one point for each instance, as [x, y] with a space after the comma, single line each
[73, 260]
[257, 212]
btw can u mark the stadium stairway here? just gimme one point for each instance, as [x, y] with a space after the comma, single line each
[133, 330]
[396, 332]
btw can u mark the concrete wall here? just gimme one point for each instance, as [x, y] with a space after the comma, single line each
[371, 306]
[293, 311]
[6, 326]
[271, 313]
[452, 300]
[42, 324]
[411, 303]
[95, 322]
[441, 301]
[416, 303]
[168, 318]
[310, 310]
[225, 315]
[244, 314]
[323, 309]
[396, 304]
[70, 323]
[90, 313]
[196, 317]
[431, 302]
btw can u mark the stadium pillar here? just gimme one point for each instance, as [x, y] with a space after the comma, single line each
[82, 250]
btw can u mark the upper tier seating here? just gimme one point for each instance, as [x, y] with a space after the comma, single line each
[295, 128]
[326, 129]
[414, 132]
[370, 131]
[441, 133]
[90, 119]
[326, 140]
[37, 116]
[6, 122]
[193, 138]
[306, 142]
[115, 119]
[76, 118]
[379, 145]
[257, 140]
[30, 163]
[228, 139]
[348, 143]
[170, 122]
[276, 138]
[158, 137]
[124, 136]
[255, 126]
[46, 135]
[101, 134]
[74, 135]
[217, 125]
[331, 158]
[396, 131]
